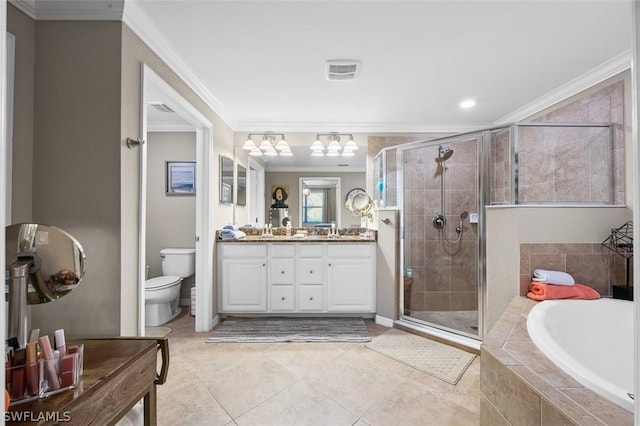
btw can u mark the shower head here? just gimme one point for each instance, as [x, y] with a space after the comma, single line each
[464, 215]
[444, 153]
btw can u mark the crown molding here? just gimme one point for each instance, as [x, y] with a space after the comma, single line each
[135, 19]
[25, 6]
[71, 10]
[602, 72]
[368, 128]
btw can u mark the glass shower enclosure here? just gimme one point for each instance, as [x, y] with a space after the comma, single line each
[442, 187]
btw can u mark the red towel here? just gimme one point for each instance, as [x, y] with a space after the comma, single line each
[540, 291]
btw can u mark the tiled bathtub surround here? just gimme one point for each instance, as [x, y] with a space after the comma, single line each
[520, 386]
[589, 264]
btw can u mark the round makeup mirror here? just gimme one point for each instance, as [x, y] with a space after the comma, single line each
[360, 204]
[55, 260]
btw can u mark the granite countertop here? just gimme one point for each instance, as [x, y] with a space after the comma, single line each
[321, 235]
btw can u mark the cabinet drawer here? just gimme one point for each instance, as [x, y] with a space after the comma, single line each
[283, 271]
[283, 250]
[311, 250]
[347, 250]
[282, 298]
[310, 298]
[243, 250]
[311, 271]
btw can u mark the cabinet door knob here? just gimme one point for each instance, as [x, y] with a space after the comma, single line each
[386, 221]
[311, 298]
[264, 264]
[282, 272]
[283, 298]
[311, 271]
[329, 264]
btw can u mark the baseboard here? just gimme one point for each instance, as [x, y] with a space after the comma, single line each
[215, 321]
[185, 301]
[384, 321]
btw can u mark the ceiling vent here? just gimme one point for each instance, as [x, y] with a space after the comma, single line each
[161, 107]
[341, 69]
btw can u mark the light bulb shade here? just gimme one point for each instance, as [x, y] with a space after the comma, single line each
[347, 153]
[317, 146]
[332, 153]
[350, 145]
[286, 153]
[270, 153]
[317, 153]
[255, 152]
[334, 146]
[249, 145]
[282, 144]
[265, 144]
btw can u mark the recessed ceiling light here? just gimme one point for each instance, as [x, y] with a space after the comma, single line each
[467, 103]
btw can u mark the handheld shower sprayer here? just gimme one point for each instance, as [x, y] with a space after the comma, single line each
[463, 216]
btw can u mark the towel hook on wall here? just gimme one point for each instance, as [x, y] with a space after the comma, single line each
[132, 143]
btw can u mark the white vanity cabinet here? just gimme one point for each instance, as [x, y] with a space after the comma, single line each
[282, 273]
[297, 278]
[311, 266]
[350, 272]
[242, 276]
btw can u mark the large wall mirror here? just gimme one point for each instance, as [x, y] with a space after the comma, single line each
[320, 201]
[226, 180]
[241, 186]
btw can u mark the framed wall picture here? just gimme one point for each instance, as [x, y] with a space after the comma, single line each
[181, 178]
[225, 193]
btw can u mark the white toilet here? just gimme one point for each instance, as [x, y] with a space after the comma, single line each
[162, 294]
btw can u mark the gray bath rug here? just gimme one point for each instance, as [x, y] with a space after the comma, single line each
[439, 360]
[256, 330]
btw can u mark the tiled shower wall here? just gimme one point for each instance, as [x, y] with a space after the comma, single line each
[444, 275]
[563, 164]
[590, 264]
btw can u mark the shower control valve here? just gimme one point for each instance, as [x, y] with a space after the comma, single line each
[439, 221]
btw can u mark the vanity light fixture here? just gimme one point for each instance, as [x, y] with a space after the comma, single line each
[268, 145]
[333, 147]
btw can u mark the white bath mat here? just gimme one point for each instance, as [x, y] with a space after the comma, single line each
[439, 360]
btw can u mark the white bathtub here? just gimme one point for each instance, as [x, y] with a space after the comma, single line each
[591, 340]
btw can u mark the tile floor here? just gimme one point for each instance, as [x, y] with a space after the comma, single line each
[304, 384]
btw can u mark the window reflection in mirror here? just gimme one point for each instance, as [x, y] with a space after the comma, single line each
[320, 201]
[241, 184]
[226, 180]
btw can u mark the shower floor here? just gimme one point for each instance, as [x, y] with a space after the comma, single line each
[464, 321]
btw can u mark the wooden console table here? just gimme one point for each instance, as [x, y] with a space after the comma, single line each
[118, 372]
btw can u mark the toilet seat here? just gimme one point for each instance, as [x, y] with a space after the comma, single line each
[158, 283]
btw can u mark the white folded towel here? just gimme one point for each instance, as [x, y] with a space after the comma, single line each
[230, 234]
[552, 277]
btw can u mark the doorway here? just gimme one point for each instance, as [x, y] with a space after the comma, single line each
[152, 83]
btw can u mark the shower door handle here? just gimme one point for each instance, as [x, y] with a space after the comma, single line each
[386, 221]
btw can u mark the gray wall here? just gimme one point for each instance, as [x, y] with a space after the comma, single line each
[171, 219]
[23, 28]
[349, 181]
[76, 164]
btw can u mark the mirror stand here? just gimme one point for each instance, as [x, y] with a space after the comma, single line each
[17, 309]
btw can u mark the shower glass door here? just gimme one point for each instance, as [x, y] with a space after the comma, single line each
[441, 238]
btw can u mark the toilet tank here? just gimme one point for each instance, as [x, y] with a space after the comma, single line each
[178, 261]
